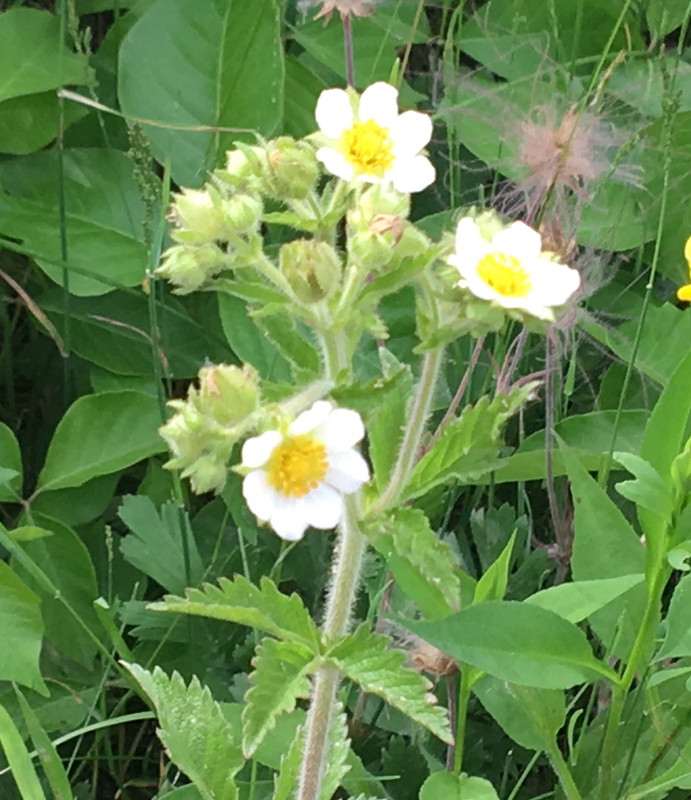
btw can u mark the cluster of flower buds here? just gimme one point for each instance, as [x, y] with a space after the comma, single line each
[206, 426]
[312, 268]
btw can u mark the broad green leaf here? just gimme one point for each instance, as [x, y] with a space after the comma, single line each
[50, 760]
[492, 585]
[218, 63]
[444, 785]
[22, 632]
[677, 642]
[30, 122]
[367, 660]
[386, 427]
[10, 459]
[468, 446]
[100, 434]
[155, 544]
[531, 717]
[103, 216]
[265, 608]
[279, 679]
[422, 565]
[516, 642]
[338, 747]
[665, 15]
[576, 601]
[287, 775]
[294, 347]
[78, 504]
[65, 560]
[18, 759]
[249, 344]
[32, 56]
[648, 491]
[194, 731]
[678, 556]
[605, 546]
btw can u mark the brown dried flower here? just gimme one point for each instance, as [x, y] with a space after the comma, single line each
[360, 8]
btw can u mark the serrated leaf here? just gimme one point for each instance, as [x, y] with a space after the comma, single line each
[279, 678]
[198, 738]
[265, 608]
[386, 429]
[280, 330]
[367, 660]
[422, 564]
[468, 446]
[338, 747]
[287, 776]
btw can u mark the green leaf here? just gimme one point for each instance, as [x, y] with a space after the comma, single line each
[578, 600]
[18, 759]
[215, 64]
[492, 584]
[30, 122]
[338, 747]
[605, 546]
[100, 434]
[22, 632]
[249, 344]
[265, 608]
[32, 56]
[78, 504]
[468, 446]
[50, 760]
[103, 214]
[531, 717]
[648, 491]
[677, 642]
[287, 776]
[367, 660]
[516, 642]
[447, 786]
[386, 427]
[10, 459]
[665, 15]
[63, 557]
[194, 731]
[422, 565]
[280, 330]
[155, 544]
[279, 678]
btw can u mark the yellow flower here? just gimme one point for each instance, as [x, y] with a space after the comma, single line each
[684, 292]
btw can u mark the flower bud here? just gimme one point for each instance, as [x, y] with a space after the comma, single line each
[312, 268]
[488, 221]
[242, 213]
[188, 267]
[198, 215]
[208, 473]
[380, 198]
[373, 250]
[293, 169]
[245, 161]
[226, 393]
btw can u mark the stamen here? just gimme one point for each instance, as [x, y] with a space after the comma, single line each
[504, 274]
[367, 146]
[297, 465]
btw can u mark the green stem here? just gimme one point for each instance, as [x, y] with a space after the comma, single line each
[407, 455]
[461, 717]
[564, 774]
[334, 352]
[346, 578]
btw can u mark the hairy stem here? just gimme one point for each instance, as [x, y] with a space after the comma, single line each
[346, 578]
[417, 422]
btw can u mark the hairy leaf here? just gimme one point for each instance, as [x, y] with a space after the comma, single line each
[338, 747]
[198, 738]
[279, 678]
[422, 565]
[386, 428]
[367, 660]
[286, 778]
[239, 601]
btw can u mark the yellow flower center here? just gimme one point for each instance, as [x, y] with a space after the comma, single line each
[368, 148]
[297, 465]
[504, 274]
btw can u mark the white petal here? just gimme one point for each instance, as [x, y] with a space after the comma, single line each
[334, 113]
[410, 133]
[341, 430]
[322, 507]
[288, 519]
[261, 498]
[380, 103]
[311, 419]
[347, 471]
[518, 240]
[553, 283]
[412, 174]
[335, 163]
[471, 246]
[256, 451]
[475, 284]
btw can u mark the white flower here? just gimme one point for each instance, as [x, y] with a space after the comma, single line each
[511, 270]
[298, 478]
[374, 144]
